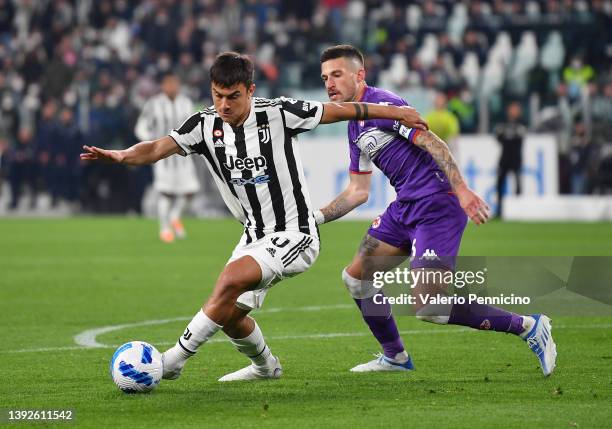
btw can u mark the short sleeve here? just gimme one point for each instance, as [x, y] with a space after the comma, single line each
[408, 133]
[360, 162]
[189, 134]
[301, 116]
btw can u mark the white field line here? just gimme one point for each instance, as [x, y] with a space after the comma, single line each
[87, 339]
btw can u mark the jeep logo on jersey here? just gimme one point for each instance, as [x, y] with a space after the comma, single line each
[257, 163]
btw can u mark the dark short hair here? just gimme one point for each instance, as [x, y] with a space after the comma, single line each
[231, 68]
[342, 51]
[166, 74]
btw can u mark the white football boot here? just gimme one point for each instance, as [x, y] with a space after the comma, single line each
[383, 363]
[253, 372]
[540, 341]
[173, 361]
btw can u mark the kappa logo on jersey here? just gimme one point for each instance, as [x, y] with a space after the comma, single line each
[257, 163]
[257, 180]
[264, 133]
[376, 222]
[429, 255]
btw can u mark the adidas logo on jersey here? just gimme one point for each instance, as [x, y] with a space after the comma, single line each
[271, 251]
[430, 255]
[219, 143]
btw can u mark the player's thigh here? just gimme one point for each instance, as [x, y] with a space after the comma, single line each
[438, 233]
[384, 246]
[375, 255]
[239, 276]
[280, 255]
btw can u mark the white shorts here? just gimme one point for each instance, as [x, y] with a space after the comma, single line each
[176, 175]
[280, 255]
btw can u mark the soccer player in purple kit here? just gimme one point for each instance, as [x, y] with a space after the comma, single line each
[425, 222]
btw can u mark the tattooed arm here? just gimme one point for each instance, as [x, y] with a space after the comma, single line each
[355, 194]
[408, 116]
[471, 203]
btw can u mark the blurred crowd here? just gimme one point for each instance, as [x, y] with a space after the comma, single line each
[74, 71]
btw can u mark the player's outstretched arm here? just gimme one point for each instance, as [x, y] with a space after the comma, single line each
[472, 204]
[355, 194]
[141, 153]
[408, 116]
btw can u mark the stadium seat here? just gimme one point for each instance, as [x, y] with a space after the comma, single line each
[429, 51]
[470, 70]
[457, 23]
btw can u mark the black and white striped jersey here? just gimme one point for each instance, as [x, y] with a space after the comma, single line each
[159, 116]
[257, 165]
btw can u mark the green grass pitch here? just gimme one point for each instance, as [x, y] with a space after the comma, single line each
[61, 277]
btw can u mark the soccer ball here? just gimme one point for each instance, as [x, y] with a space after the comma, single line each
[136, 367]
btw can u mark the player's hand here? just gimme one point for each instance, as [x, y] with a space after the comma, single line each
[473, 205]
[92, 153]
[412, 119]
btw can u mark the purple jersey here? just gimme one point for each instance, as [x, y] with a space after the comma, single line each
[410, 170]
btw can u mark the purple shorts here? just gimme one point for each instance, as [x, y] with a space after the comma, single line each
[430, 228]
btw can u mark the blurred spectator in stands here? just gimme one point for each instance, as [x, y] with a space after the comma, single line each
[67, 159]
[601, 110]
[510, 135]
[576, 76]
[46, 144]
[22, 168]
[59, 73]
[475, 42]
[4, 148]
[581, 157]
[442, 122]
[462, 106]
[9, 112]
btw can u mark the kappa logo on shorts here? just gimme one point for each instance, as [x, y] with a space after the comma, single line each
[376, 222]
[429, 255]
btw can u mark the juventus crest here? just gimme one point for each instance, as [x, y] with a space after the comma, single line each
[264, 133]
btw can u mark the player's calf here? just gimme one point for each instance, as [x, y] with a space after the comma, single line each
[378, 317]
[263, 363]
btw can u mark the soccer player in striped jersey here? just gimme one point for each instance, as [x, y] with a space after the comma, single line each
[249, 144]
[426, 221]
[174, 178]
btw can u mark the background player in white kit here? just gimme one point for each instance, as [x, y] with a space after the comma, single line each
[250, 146]
[174, 178]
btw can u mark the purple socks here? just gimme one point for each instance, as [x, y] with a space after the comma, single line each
[382, 324]
[480, 316]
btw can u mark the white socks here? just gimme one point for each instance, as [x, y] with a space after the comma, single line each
[255, 348]
[177, 207]
[199, 330]
[528, 323]
[164, 204]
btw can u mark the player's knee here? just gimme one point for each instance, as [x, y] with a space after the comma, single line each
[359, 289]
[230, 286]
[433, 314]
